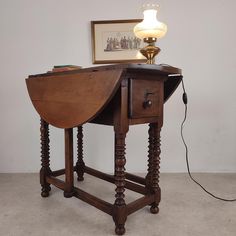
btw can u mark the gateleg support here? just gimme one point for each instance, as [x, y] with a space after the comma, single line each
[69, 168]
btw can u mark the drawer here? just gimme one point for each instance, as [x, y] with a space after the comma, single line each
[145, 98]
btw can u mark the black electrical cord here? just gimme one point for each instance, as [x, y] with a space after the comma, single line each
[185, 100]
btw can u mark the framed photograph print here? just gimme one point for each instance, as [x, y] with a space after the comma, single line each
[114, 42]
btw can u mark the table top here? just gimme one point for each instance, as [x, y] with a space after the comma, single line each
[150, 68]
[71, 98]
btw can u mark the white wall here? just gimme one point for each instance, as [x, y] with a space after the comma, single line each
[35, 35]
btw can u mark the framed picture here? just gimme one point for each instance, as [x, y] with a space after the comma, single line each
[114, 42]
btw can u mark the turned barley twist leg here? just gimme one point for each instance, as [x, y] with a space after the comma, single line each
[80, 166]
[45, 161]
[119, 213]
[152, 178]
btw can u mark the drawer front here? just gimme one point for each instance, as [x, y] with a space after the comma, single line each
[145, 98]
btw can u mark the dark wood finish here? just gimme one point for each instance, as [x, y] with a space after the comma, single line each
[139, 203]
[152, 178]
[94, 201]
[80, 166]
[55, 97]
[111, 178]
[135, 178]
[145, 98]
[58, 172]
[56, 182]
[120, 169]
[117, 95]
[45, 161]
[99, 174]
[69, 168]
[145, 120]
[121, 127]
[136, 187]
[145, 69]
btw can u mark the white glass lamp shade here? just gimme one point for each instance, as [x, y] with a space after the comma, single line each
[150, 27]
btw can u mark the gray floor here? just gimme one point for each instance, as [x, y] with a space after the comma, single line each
[184, 209]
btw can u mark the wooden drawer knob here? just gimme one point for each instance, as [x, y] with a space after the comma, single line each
[147, 104]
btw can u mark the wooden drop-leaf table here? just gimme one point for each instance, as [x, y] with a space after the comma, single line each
[115, 95]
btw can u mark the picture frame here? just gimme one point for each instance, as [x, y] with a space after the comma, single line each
[113, 41]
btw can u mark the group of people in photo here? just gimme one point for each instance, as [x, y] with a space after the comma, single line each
[122, 43]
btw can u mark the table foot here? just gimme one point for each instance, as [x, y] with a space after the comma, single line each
[120, 229]
[68, 194]
[154, 209]
[45, 191]
[80, 178]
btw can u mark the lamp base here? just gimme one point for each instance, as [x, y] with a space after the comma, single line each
[150, 51]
